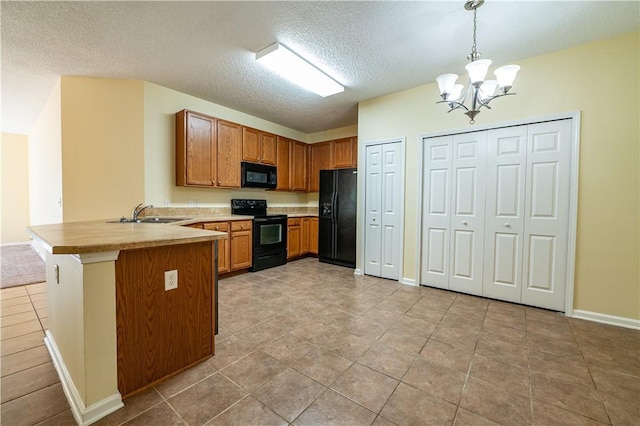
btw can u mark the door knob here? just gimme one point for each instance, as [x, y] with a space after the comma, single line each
[507, 225]
[374, 219]
[464, 222]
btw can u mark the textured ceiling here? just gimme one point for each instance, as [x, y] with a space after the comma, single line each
[207, 49]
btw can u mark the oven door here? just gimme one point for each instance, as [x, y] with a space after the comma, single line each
[269, 234]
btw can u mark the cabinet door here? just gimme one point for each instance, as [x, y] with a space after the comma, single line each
[320, 159]
[229, 153]
[304, 235]
[343, 153]
[313, 235]
[223, 245]
[298, 166]
[293, 241]
[241, 244]
[195, 149]
[283, 157]
[250, 145]
[268, 152]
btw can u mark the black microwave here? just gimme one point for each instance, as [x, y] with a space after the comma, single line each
[258, 176]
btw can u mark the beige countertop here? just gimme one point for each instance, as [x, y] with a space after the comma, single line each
[100, 236]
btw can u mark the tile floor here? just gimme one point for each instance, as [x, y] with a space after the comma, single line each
[310, 344]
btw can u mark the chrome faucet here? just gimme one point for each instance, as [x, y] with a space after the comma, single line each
[137, 210]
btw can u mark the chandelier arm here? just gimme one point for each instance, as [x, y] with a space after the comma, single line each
[454, 105]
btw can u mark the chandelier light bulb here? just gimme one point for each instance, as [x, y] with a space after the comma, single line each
[456, 92]
[506, 75]
[488, 89]
[446, 83]
[478, 70]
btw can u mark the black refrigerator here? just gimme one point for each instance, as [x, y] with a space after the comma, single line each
[337, 217]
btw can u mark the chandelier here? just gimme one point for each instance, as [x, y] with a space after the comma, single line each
[479, 91]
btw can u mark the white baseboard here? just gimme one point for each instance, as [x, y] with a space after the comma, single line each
[409, 281]
[83, 415]
[607, 319]
[357, 271]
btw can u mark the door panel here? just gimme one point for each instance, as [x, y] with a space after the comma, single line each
[392, 238]
[467, 218]
[373, 206]
[547, 214]
[436, 211]
[504, 217]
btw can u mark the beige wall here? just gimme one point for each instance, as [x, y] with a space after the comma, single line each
[327, 135]
[45, 163]
[598, 79]
[102, 147]
[15, 188]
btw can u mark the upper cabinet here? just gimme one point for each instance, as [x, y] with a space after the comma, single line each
[336, 154]
[258, 146]
[298, 166]
[283, 156]
[319, 159]
[344, 153]
[208, 151]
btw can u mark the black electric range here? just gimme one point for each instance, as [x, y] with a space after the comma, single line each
[269, 233]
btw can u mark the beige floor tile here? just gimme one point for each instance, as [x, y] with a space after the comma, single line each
[254, 370]
[11, 292]
[545, 414]
[621, 411]
[569, 369]
[455, 335]
[447, 355]
[63, 419]
[206, 399]
[316, 333]
[248, 411]
[16, 309]
[180, 382]
[435, 380]
[426, 313]
[322, 365]
[12, 301]
[387, 360]
[133, 406]
[288, 348]
[35, 407]
[23, 360]
[18, 318]
[467, 418]
[260, 334]
[348, 345]
[16, 330]
[289, 393]
[27, 381]
[503, 351]
[365, 386]
[228, 351]
[618, 385]
[38, 296]
[381, 421]
[39, 304]
[332, 408]
[37, 288]
[161, 414]
[21, 343]
[510, 377]
[495, 403]
[411, 406]
[404, 340]
[496, 331]
[567, 395]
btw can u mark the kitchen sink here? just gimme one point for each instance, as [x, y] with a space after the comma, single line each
[150, 220]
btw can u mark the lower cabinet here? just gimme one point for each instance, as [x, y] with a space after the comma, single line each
[302, 236]
[241, 252]
[293, 237]
[236, 251]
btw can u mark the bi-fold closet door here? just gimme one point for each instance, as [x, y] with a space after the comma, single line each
[495, 217]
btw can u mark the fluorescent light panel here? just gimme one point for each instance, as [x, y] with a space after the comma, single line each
[287, 64]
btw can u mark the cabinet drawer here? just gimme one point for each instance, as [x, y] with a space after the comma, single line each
[217, 226]
[240, 225]
[293, 221]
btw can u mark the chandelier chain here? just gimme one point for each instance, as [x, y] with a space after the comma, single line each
[474, 54]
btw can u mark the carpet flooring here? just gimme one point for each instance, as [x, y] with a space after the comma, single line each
[20, 265]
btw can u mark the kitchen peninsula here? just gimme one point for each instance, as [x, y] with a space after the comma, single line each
[114, 327]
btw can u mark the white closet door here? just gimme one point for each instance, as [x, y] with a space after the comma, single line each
[547, 214]
[373, 207]
[467, 212]
[436, 220]
[391, 210]
[504, 223]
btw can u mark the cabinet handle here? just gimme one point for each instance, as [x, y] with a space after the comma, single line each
[219, 182]
[241, 226]
[216, 228]
[233, 236]
[464, 222]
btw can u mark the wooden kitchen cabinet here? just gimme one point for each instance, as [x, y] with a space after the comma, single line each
[229, 152]
[258, 146]
[298, 166]
[224, 249]
[344, 153]
[283, 157]
[293, 237]
[240, 244]
[320, 158]
[313, 235]
[208, 151]
[195, 149]
[304, 235]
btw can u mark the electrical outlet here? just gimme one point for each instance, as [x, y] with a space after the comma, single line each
[170, 280]
[167, 203]
[192, 203]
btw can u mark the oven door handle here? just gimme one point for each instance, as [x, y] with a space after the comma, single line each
[262, 219]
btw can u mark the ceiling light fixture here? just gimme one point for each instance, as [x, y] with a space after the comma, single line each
[295, 69]
[479, 91]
